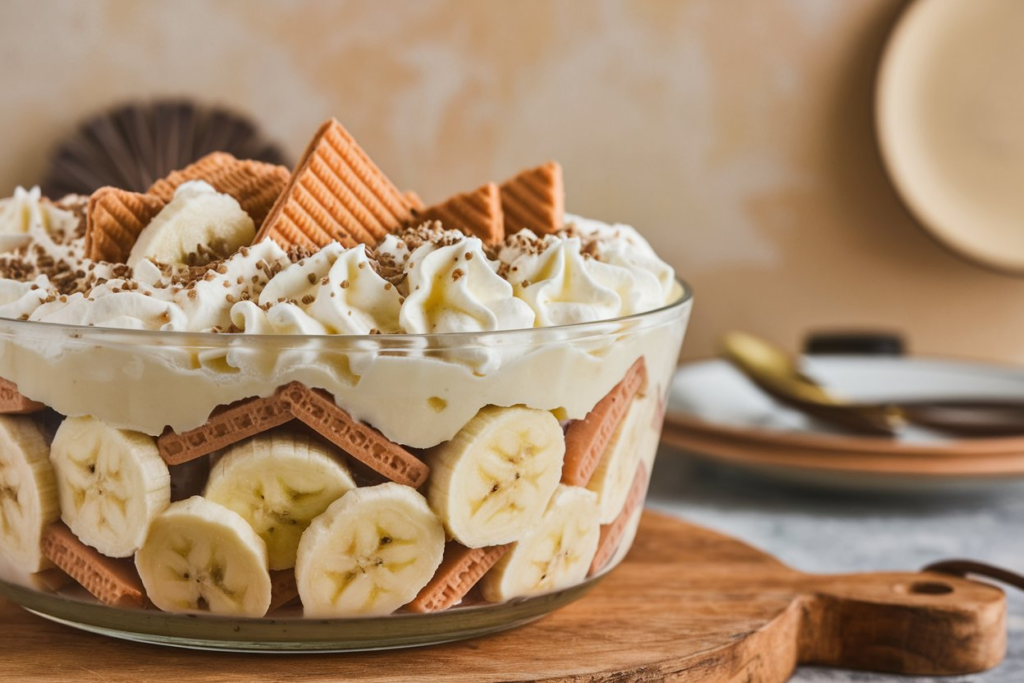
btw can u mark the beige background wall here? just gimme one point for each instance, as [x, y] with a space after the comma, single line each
[736, 134]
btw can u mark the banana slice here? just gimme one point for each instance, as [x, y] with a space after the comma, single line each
[555, 554]
[492, 481]
[28, 492]
[112, 484]
[200, 557]
[614, 474]
[370, 553]
[198, 226]
[278, 482]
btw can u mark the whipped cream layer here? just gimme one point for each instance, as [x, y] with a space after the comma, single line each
[424, 280]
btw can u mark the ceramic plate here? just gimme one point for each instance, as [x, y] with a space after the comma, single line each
[716, 412]
[949, 110]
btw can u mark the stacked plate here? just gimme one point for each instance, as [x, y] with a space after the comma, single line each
[715, 412]
[948, 109]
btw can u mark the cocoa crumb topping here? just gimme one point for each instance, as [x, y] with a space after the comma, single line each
[297, 254]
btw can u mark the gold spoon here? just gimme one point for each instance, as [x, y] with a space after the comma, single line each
[772, 369]
[776, 373]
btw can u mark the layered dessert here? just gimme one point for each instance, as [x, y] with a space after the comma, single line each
[252, 389]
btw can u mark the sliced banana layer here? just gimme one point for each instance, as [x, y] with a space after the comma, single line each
[201, 557]
[198, 226]
[278, 482]
[492, 481]
[112, 484]
[614, 474]
[28, 492]
[370, 553]
[555, 554]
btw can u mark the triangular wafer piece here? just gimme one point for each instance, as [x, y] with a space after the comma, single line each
[611, 534]
[12, 402]
[460, 570]
[114, 220]
[255, 184]
[587, 439]
[476, 213]
[112, 581]
[534, 199]
[335, 194]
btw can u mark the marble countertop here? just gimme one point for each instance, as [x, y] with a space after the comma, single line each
[830, 532]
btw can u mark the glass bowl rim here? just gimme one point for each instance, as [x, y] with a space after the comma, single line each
[86, 333]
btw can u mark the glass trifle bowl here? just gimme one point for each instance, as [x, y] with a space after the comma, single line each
[255, 409]
[489, 467]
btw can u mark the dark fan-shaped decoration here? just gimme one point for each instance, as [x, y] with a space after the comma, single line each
[135, 144]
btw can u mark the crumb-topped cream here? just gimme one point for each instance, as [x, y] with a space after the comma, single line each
[423, 280]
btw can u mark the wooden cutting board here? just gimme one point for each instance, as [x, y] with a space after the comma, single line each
[688, 604]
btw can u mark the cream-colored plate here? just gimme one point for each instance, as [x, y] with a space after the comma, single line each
[950, 118]
[716, 412]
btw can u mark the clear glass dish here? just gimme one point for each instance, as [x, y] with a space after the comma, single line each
[286, 630]
[417, 391]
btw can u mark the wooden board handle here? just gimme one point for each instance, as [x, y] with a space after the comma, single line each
[924, 623]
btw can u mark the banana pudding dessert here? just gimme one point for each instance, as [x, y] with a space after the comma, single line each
[256, 391]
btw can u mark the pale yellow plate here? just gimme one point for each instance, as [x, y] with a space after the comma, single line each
[950, 118]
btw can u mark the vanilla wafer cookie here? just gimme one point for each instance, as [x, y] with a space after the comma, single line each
[587, 439]
[317, 410]
[460, 570]
[227, 425]
[612, 534]
[256, 185]
[534, 199]
[283, 588]
[205, 168]
[336, 194]
[12, 402]
[476, 213]
[114, 220]
[112, 581]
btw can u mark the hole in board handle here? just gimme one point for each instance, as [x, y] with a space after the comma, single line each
[930, 588]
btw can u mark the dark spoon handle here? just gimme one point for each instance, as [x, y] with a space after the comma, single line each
[969, 418]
